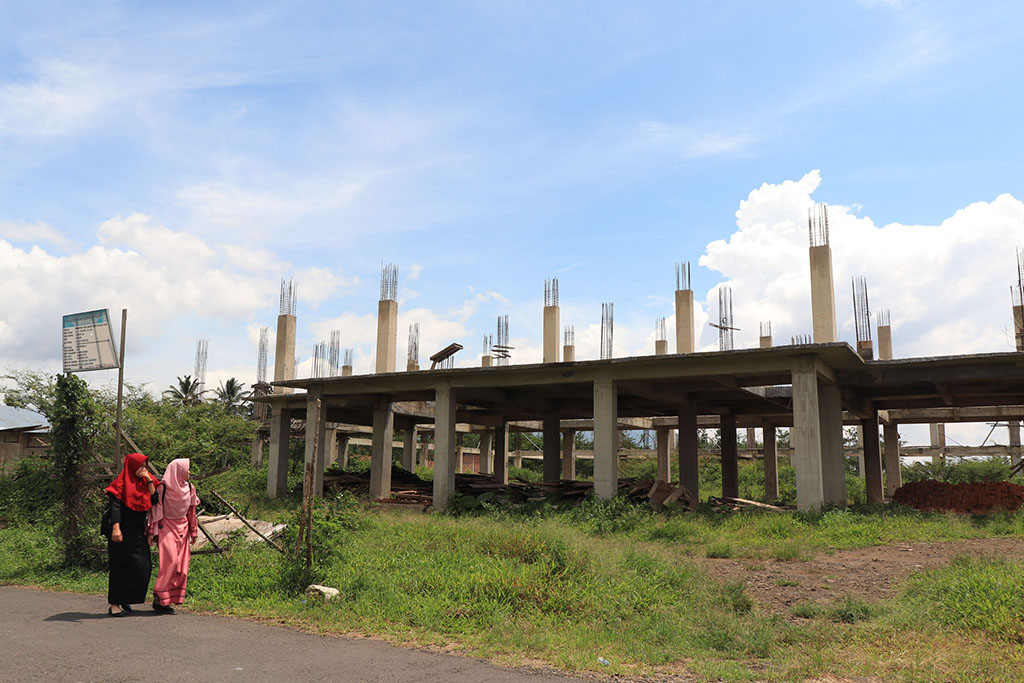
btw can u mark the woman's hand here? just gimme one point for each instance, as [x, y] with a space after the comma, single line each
[151, 538]
[115, 534]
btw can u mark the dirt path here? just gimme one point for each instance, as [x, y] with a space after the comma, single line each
[871, 573]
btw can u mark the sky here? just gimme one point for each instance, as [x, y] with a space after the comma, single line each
[180, 159]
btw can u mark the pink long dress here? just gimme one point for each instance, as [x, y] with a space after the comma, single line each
[174, 533]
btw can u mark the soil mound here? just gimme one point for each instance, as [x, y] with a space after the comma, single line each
[978, 497]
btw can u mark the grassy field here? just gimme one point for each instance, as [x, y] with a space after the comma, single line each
[602, 581]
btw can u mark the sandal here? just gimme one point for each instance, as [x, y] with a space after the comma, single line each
[112, 613]
[162, 609]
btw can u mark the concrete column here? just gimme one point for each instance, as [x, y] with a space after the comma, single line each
[517, 455]
[342, 457]
[823, 300]
[684, 321]
[764, 341]
[730, 458]
[501, 453]
[1018, 327]
[771, 464]
[664, 463]
[751, 439]
[424, 453]
[872, 461]
[688, 443]
[1014, 430]
[833, 462]
[860, 451]
[316, 433]
[256, 456]
[551, 330]
[460, 466]
[893, 474]
[346, 370]
[817, 437]
[412, 365]
[486, 452]
[937, 438]
[380, 454]
[552, 448]
[884, 342]
[277, 455]
[569, 353]
[606, 457]
[660, 347]
[387, 335]
[284, 352]
[409, 449]
[444, 445]
[486, 361]
[569, 455]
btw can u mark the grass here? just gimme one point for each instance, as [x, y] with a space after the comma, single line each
[608, 580]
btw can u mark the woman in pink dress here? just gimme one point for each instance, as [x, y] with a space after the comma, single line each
[172, 520]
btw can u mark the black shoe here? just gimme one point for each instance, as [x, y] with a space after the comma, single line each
[127, 608]
[162, 609]
[111, 612]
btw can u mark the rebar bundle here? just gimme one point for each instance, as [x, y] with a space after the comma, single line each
[488, 343]
[800, 339]
[1017, 290]
[262, 352]
[502, 351]
[607, 329]
[861, 309]
[414, 343]
[551, 292]
[569, 335]
[725, 326]
[659, 330]
[882, 317]
[348, 358]
[766, 328]
[289, 297]
[334, 354]
[683, 275]
[817, 225]
[388, 282]
[202, 347]
[320, 360]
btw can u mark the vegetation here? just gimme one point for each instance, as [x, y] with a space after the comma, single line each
[186, 393]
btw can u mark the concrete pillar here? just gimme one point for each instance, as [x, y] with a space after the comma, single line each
[316, 433]
[424, 453]
[486, 361]
[765, 341]
[552, 448]
[823, 300]
[872, 461]
[342, 457]
[412, 365]
[771, 464]
[346, 370]
[380, 454]
[684, 321]
[884, 342]
[409, 449]
[1018, 327]
[569, 353]
[517, 455]
[606, 456]
[660, 347]
[501, 453]
[1014, 430]
[662, 442]
[866, 349]
[893, 473]
[817, 437]
[387, 335]
[937, 439]
[444, 445]
[330, 453]
[486, 452]
[751, 440]
[256, 456]
[860, 450]
[284, 352]
[688, 444]
[460, 466]
[569, 455]
[277, 454]
[730, 458]
[551, 330]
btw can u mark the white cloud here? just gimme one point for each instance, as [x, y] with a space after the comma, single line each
[63, 98]
[21, 231]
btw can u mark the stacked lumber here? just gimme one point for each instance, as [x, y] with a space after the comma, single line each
[978, 497]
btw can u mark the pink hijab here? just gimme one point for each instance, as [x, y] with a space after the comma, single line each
[177, 494]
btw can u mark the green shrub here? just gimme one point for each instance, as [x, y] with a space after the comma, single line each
[718, 549]
[850, 610]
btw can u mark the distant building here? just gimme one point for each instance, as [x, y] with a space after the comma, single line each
[22, 433]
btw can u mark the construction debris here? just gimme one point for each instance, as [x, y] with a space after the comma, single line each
[978, 497]
[219, 527]
[318, 592]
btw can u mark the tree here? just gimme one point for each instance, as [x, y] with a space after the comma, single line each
[230, 395]
[187, 393]
[74, 419]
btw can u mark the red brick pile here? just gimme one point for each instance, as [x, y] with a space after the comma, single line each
[977, 497]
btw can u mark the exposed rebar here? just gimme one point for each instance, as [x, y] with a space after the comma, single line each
[551, 292]
[800, 339]
[683, 275]
[766, 328]
[607, 329]
[388, 282]
[262, 353]
[347, 358]
[817, 225]
[882, 317]
[861, 309]
[569, 335]
[289, 297]
[202, 347]
[334, 354]
[659, 330]
[502, 351]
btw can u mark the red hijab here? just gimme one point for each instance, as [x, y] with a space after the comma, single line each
[132, 490]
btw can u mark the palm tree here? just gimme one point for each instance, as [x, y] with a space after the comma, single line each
[187, 392]
[230, 394]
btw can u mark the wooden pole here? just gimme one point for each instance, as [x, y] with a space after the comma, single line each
[120, 389]
[305, 535]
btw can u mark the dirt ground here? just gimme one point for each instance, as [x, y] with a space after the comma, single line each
[872, 574]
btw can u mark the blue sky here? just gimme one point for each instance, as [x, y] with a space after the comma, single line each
[179, 159]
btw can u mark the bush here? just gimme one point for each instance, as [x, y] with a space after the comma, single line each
[332, 521]
[963, 472]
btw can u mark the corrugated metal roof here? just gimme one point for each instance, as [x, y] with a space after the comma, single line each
[20, 418]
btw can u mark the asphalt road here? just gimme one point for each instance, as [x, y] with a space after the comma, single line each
[48, 636]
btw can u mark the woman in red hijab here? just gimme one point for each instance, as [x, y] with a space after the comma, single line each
[131, 496]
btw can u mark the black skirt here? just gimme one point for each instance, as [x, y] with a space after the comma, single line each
[130, 562]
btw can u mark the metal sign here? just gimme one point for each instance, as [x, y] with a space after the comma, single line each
[88, 342]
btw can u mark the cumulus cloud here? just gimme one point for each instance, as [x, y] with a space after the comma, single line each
[24, 232]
